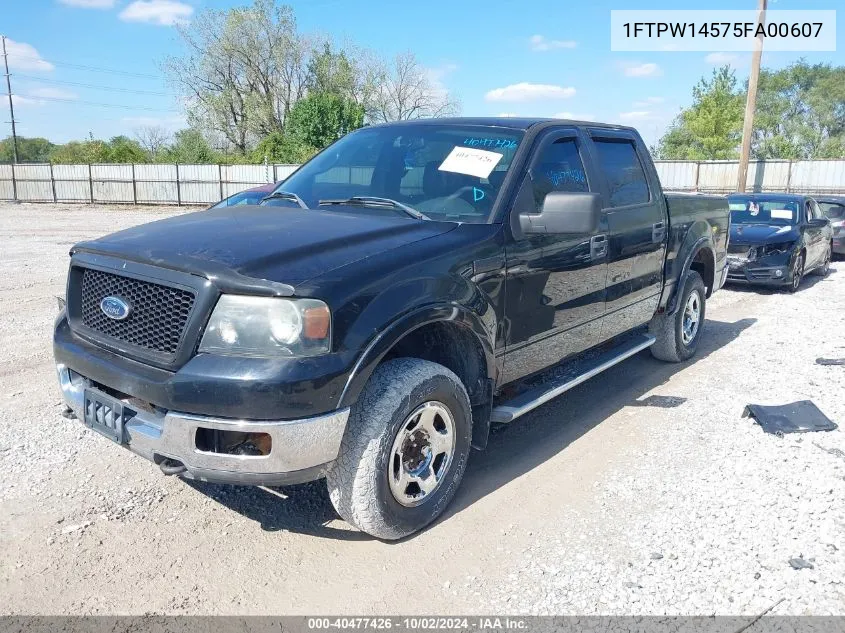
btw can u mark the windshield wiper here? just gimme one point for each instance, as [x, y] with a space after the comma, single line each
[286, 195]
[373, 201]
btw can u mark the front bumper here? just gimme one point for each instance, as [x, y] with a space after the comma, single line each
[300, 450]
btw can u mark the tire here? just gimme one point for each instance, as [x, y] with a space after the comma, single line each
[363, 478]
[673, 343]
[797, 274]
[824, 269]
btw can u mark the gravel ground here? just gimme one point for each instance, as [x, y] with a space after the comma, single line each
[642, 491]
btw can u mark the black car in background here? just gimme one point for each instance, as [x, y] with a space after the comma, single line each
[833, 208]
[776, 239]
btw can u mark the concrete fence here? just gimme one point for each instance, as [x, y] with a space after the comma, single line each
[206, 184]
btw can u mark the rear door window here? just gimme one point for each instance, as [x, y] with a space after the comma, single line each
[621, 166]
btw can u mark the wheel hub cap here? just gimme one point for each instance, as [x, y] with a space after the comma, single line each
[692, 318]
[421, 454]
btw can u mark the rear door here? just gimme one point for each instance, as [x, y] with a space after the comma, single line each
[637, 229]
[555, 282]
[814, 235]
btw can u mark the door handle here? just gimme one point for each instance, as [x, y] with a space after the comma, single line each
[598, 246]
[658, 231]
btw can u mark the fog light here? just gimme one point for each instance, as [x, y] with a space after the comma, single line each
[778, 274]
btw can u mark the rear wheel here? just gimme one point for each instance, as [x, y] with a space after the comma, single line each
[824, 269]
[797, 273]
[404, 451]
[677, 335]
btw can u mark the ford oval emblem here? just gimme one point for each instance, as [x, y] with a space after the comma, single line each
[115, 308]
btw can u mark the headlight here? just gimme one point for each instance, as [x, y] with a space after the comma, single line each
[775, 249]
[267, 326]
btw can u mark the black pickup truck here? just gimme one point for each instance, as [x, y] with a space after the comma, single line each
[408, 287]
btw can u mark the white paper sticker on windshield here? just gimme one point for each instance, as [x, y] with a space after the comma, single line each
[781, 214]
[471, 161]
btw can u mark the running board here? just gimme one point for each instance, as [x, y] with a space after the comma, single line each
[586, 369]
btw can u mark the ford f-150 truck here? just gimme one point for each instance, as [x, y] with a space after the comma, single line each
[406, 288]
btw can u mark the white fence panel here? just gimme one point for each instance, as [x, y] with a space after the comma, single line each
[113, 183]
[156, 184]
[7, 191]
[677, 175]
[283, 171]
[72, 183]
[818, 176]
[206, 184]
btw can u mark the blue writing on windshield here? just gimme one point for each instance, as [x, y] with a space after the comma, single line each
[477, 194]
[491, 143]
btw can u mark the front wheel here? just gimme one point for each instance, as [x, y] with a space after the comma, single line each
[404, 451]
[797, 273]
[677, 335]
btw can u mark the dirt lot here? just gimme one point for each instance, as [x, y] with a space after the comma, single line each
[641, 491]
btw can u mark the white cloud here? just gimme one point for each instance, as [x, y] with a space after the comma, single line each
[89, 4]
[636, 115]
[46, 92]
[507, 115]
[529, 92]
[641, 70]
[160, 12]
[539, 43]
[648, 102]
[574, 116]
[721, 58]
[23, 56]
[23, 102]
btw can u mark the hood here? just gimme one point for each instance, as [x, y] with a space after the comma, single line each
[760, 234]
[277, 244]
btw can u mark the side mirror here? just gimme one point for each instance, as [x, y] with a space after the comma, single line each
[819, 222]
[564, 212]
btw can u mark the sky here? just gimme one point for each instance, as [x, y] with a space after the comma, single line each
[94, 66]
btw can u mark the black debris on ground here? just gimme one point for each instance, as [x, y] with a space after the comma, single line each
[798, 417]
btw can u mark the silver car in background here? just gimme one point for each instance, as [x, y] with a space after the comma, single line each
[834, 209]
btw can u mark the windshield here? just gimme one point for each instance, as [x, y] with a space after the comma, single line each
[447, 172]
[244, 197]
[833, 210]
[761, 211]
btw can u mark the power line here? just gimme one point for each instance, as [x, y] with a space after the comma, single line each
[85, 67]
[94, 103]
[98, 87]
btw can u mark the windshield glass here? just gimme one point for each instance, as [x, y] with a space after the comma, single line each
[762, 211]
[244, 197]
[833, 210]
[447, 172]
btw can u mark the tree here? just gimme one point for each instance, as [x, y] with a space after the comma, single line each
[711, 128]
[281, 148]
[321, 118]
[244, 70]
[189, 147]
[153, 138]
[30, 150]
[406, 90]
[800, 112]
[122, 149]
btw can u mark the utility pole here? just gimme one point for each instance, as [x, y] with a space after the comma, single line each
[751, 101]
[11, 105]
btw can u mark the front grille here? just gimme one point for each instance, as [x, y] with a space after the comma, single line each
[158, 314]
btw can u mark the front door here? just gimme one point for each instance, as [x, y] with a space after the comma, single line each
[555, 283]
[637, 229]
[814, 234]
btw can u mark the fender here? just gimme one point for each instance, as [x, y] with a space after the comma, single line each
[691, 252]
[407, 323]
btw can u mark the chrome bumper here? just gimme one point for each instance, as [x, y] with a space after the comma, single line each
[301, 450]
